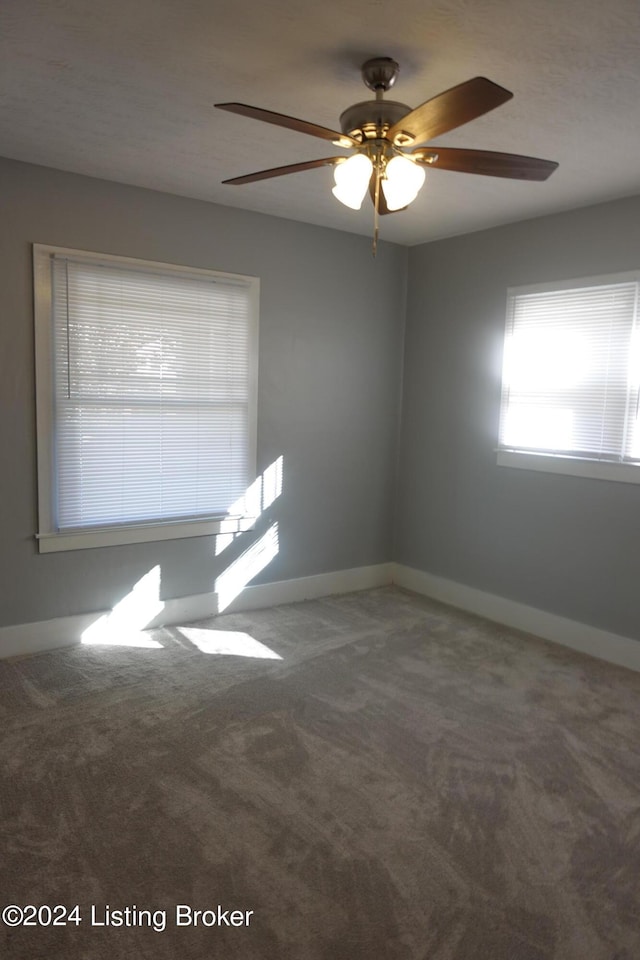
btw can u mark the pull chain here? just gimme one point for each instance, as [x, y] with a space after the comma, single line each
[375, 210]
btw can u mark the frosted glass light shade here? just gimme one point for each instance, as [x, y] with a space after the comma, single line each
[352, 180]
[402, 182]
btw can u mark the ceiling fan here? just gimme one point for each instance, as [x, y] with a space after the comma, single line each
[387, 139]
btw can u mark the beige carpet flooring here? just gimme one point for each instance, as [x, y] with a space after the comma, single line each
[406, 782]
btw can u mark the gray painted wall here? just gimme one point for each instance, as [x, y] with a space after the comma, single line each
[329, 393]
[331, 348]
[567, 545]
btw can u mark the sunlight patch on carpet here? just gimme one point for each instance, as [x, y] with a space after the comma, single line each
[228, 643]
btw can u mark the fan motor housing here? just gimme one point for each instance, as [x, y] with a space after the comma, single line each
[372, 118]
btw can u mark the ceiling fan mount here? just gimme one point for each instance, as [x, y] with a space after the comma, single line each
[380, 73]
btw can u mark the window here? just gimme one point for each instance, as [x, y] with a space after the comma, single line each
[571, 378]
[146, 381]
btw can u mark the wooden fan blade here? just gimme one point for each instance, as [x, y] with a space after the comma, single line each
[448, 110]
[486, 162]
[283, 171]
[291, 123]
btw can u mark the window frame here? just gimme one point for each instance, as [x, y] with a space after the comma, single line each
[50, 539]
[544, 462]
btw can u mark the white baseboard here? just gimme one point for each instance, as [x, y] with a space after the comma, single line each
[46, 635]
[309, 588]
[612, 647]
[27, 638]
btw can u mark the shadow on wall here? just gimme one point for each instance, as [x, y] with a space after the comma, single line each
[142, 607]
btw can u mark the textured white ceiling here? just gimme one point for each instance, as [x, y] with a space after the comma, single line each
[125, 90]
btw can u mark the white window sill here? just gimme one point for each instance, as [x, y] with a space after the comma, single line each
[144, 533]
[571, 466]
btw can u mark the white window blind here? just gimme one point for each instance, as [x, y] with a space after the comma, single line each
[571, 372]
[153, 377]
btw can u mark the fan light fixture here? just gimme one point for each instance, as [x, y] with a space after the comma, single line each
[352, 180]
[402, 182]
[400, 178]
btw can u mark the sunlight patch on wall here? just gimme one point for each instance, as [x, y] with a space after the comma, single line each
[272, 482]
[124, 625]
[224, 540]
[230, 643]
[260, 495]
[248, 565]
